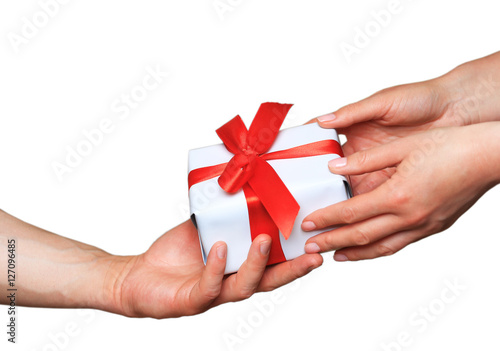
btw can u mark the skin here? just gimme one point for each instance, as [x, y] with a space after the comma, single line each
[168, 280]
[400, 199]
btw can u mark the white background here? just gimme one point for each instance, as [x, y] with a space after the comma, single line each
[132, 188]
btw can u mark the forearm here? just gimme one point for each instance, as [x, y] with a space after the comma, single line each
[472, 90]
[53, 271]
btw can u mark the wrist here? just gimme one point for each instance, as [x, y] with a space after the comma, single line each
[471, 91]
[455, 89]
[112, 272]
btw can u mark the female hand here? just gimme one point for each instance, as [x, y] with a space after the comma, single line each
[438, 175]
[464, 96]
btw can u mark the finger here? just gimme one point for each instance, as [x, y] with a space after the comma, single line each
[373, 107]
[286, 272]
[358, 234]
[384, 247]
[367, 182]
[244, 283]
[373, 159]
[354, 210]
[209, 286]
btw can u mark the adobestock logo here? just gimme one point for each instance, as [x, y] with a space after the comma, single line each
[426, 315]
[246, 326]
[364, 34]
[122, 106]
[420, 153]
[64, 337]
[32, 25]
[468, 109]
[222, 7]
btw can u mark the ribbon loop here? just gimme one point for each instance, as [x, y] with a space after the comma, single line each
[266, 125]
[234, 135]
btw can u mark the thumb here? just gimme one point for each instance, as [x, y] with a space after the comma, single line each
[373, 107]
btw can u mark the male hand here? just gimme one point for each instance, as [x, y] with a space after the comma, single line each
[171, 280]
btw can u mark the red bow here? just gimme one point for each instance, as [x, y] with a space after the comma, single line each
[271, 207]
[247, 166]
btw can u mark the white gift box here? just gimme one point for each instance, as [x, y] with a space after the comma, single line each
[220, 216]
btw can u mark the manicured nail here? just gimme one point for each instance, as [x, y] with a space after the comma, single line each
[308, 225]
[327, 117]
[222, 251]
[311, 248]
[340, 257]
[337, 162]
[265, 247]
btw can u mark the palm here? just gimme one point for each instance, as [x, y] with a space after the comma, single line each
[161, 281]
[368, 135]
[399, 113]
[171, 279]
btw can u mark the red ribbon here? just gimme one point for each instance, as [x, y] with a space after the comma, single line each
[271, 206]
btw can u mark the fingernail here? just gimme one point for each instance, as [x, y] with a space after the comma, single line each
[308, 225]
[327, 117]
[221, 251]
[337, 162]
[340, 257]
[265, 247]
[312, 248]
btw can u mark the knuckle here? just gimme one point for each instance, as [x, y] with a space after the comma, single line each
[347, 214]
[360, 238]
[246, 292]
[328, 243]
[400, 197]
[362, 158]
[293, 275]
[212, 293]
[353, 255]
[350, 111]
[385, 250]
[370, 184]
[419, 218]
[349, 118]
[321, 220]
[267, 288]
[434, 227]
[326, 216]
